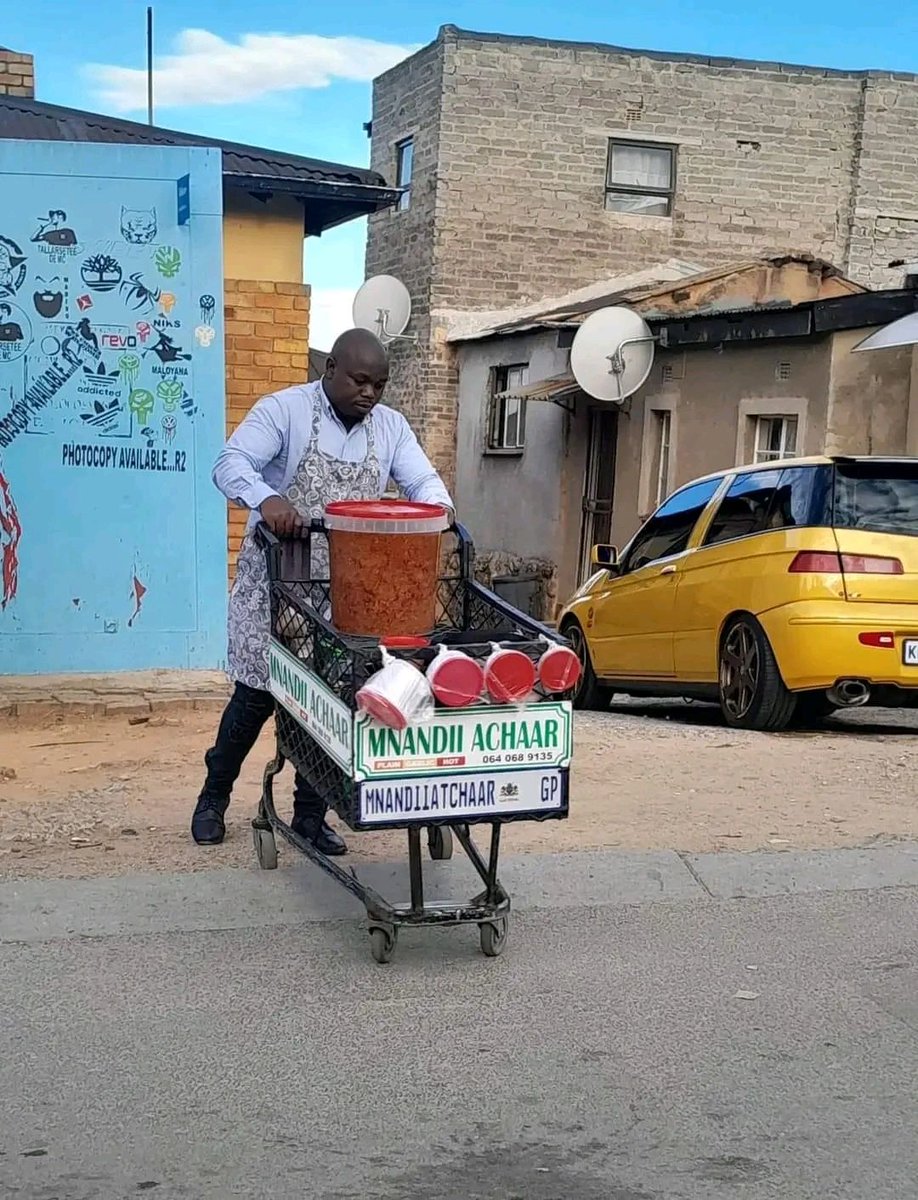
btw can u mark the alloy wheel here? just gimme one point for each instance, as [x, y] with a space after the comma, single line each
[739, 670]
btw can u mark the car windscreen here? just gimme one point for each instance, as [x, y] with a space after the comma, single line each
[880, 497]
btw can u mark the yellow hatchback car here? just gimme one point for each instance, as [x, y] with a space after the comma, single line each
[783, 591]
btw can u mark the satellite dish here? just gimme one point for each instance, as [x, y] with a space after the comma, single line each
[383, 306]
[612, 354]
[903, 332]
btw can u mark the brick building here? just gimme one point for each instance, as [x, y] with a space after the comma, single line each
[533, 167]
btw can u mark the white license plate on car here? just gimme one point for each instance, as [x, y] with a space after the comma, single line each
[910, 652]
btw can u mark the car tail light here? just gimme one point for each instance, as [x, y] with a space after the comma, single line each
[882, 641]
[869, 564]
[816, 562]
[824, 562]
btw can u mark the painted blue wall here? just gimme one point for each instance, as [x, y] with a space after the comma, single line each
[112, 536]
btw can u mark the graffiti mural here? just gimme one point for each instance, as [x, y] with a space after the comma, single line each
[104, 455]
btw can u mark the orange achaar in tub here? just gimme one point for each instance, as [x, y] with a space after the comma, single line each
[385, 557]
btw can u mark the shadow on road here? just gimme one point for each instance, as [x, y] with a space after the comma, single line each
[869, 722]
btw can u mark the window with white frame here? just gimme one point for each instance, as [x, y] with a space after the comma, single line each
[640, 178]
[661, 432]
[507, 416]
[775, 438]
[404, 162]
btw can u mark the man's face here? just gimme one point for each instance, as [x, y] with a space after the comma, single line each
[355, 381]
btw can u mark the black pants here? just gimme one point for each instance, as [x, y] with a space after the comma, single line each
[242, 721]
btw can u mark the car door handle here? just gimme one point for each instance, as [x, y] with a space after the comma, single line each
[670, 570]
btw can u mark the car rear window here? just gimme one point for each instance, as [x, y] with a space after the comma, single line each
[881, 497]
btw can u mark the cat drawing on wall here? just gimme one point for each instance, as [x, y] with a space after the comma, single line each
[138, 225]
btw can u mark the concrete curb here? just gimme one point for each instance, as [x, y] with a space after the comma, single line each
[127, 694]
[210, 901]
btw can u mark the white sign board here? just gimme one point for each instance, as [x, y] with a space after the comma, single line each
[462, 798]
[324, 717]
[472, 739]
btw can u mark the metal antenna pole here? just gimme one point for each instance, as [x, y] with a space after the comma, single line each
[150, 65]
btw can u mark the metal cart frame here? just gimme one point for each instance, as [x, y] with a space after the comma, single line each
[299, 605]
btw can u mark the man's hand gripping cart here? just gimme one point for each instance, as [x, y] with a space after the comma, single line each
[483, 765]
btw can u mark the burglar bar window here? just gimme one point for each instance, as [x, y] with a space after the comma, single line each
[507, 418]
[775, 438]
[641, 178]
[404, 161]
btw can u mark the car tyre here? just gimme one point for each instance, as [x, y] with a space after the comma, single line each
[589, 695]
[752, 692]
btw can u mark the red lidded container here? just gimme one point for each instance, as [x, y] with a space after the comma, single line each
[385, 556]
[509, 676]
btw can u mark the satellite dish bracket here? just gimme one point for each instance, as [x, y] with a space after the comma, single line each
[617, 362]
[382, 323]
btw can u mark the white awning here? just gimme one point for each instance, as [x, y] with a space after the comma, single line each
[558, 387]
[903, 332]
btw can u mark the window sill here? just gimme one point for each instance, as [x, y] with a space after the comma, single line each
[637, 221]
[497, 453]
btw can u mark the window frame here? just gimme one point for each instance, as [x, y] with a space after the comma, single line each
[404, 144]
[759, 421]
[663, 444]
[495, 443]
[667, 194]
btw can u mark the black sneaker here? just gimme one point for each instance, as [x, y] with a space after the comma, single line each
[207, 825]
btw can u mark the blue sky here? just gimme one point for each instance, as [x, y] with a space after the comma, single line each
[279, 75]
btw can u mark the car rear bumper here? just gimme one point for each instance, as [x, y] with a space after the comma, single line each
[817, 644]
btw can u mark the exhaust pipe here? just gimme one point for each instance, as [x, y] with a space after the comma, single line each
[849, 693]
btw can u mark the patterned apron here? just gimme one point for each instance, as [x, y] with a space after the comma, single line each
[319, 479]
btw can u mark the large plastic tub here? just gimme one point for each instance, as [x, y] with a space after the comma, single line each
[385, 557]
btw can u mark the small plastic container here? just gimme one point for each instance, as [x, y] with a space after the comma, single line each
[385, 556]
[509, 675]
[398, 695]
[455, 679]
[559, 670]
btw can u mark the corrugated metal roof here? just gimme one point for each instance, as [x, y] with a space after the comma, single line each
[34, 120]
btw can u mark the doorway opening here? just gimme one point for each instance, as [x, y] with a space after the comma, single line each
[599, 483]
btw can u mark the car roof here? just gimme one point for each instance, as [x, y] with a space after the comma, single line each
[816, 460]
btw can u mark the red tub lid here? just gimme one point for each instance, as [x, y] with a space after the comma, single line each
[457, 682]
[381, 709]
[404, 643]
[384, 510]
[510, 676]
[559, 669]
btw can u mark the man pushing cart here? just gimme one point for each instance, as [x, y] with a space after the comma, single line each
[407, 695]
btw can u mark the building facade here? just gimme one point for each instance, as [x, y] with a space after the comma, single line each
[753, 364]
[534, 167]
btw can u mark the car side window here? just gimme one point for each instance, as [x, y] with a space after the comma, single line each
[745, 508]
[802, 498]
[669, 529]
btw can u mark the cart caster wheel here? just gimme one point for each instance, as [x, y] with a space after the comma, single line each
[265, 848]
[493, 936]
[383, 943]
[439, 842]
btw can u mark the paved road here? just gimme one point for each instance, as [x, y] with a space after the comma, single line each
[227, 1035]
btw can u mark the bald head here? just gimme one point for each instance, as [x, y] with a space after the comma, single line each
[356, 373]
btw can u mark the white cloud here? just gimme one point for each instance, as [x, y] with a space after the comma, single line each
[207, 69]
[329, 315]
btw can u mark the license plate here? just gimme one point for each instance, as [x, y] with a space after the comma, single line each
[482, 796]
[910, 652]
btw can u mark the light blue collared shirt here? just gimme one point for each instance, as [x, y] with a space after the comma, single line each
[262, 455]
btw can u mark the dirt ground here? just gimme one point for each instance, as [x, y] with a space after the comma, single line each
[84, 797]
